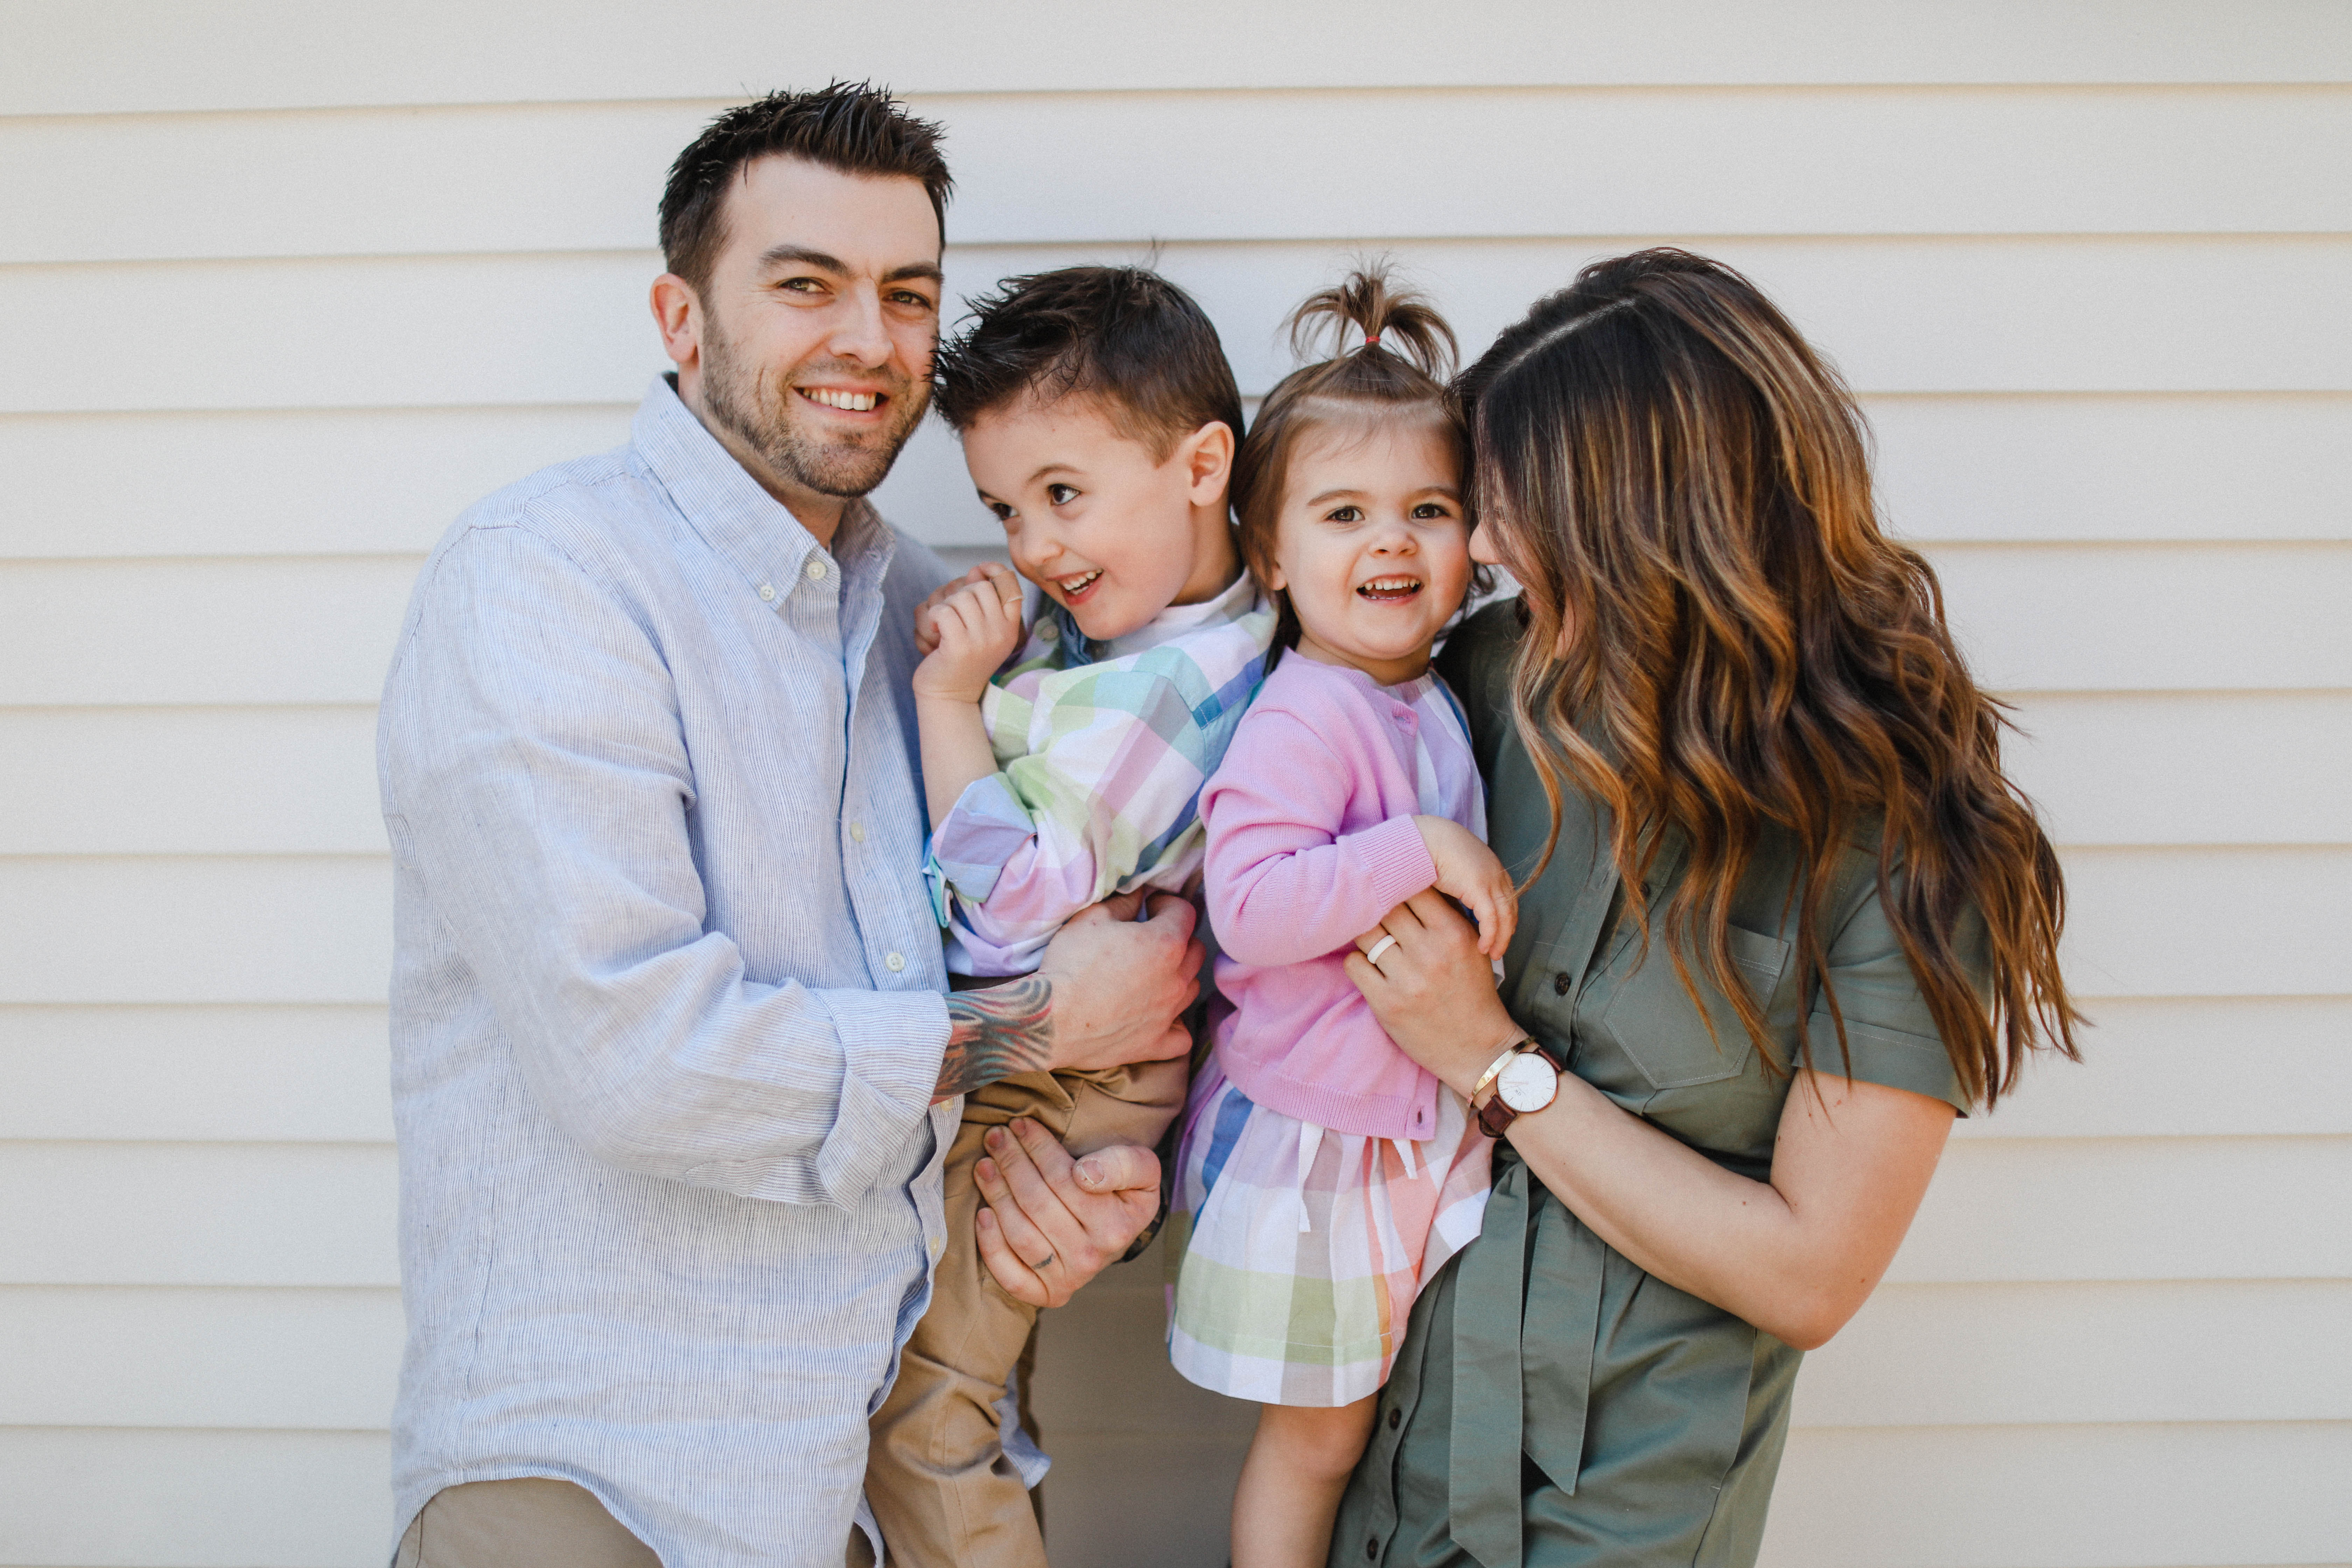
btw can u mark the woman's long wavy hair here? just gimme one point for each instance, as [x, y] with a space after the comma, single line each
[1721, 636]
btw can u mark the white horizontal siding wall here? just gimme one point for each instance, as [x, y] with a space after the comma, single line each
[282, 288]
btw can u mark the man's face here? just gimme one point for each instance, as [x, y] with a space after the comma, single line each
[814, 334]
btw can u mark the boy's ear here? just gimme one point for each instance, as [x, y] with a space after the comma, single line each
[1208, 458]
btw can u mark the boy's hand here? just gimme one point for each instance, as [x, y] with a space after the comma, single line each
[1468, 872]
[926, 637]
[973, 626]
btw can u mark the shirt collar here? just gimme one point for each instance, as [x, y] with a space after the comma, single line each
[743, 524]
[1239, 598]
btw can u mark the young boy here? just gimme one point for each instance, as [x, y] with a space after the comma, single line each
[1100, 420]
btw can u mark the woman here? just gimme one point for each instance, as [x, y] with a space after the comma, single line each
[1782, 917]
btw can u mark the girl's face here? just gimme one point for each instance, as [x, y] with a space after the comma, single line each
[1371, 544]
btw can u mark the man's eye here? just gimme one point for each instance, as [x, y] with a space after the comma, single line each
[802, 285]
[912, 301]
[1061, 495]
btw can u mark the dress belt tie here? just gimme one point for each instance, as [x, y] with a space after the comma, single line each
[1527, 1312]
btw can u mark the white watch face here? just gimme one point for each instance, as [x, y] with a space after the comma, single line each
[1528, 1082]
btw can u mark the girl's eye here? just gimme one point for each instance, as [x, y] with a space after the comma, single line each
[1061, 495]
[1430, 510]
[1344, 514]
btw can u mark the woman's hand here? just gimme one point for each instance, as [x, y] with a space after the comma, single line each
[1433, 990]
[1054, 1223]
[1471, 873]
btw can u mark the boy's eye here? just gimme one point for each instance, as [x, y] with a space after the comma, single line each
[1061, 495]
[1003, 512]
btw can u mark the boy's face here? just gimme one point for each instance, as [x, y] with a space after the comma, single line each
[1093, 519]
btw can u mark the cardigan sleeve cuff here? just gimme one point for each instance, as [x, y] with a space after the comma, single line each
[1396, 860]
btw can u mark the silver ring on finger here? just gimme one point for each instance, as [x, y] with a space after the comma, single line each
[1387, 941]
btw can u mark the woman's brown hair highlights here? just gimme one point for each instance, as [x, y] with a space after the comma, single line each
[1682, 488]
[1405, 351]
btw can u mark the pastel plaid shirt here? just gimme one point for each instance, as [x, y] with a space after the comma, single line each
[1101, 750]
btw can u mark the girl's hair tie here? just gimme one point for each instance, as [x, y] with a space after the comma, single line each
[1372, 339]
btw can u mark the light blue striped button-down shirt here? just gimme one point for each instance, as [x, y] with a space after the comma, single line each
[666, 1002]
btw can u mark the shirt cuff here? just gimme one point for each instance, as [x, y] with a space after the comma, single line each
[1397, 858]
[985, 827]
[1892, 1058]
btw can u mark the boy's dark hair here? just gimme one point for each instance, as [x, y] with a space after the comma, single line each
[1124, 335]
[854, 128]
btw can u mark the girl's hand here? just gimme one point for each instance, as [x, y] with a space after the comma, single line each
[1469, 870]
[974, 626]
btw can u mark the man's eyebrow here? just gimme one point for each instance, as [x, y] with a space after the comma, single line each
[802, 255]
[926, 270]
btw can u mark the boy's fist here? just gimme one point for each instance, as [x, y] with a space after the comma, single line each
[965, 631]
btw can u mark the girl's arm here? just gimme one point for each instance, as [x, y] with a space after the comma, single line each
[1284, 884]
[1795, 1256]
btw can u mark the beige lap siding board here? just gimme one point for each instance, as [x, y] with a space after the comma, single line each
[271, 324]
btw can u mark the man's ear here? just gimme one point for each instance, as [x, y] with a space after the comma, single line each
[677, 313]
[1208, 458]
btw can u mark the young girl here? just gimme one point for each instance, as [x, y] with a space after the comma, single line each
[1323, 1175]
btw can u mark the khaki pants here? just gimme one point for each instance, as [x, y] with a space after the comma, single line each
[935, 1476]
[535, 1521]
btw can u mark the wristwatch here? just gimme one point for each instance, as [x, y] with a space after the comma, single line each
[1525, 1084]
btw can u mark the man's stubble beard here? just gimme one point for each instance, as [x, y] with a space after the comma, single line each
[759, 413]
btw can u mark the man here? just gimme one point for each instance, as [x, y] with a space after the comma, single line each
[672, 1066]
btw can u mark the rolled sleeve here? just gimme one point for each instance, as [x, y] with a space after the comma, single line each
[538, 786]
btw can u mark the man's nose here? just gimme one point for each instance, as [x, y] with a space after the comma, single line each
[858, 334]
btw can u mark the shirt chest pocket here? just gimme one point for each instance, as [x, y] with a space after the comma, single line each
[1641, 1006]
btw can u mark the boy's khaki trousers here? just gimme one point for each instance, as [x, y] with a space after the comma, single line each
[935, 1476]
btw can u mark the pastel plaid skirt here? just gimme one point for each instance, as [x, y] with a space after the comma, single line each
[1295, 1252]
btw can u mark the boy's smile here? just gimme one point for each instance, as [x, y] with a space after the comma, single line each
[1107, 529]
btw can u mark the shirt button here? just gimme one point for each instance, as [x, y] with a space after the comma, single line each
[816, 571]
[1372, 1549]
[894, 962]
[1560, 982]
[1049, 631]
[768, 592]
[857, 831]
[1396, 1417]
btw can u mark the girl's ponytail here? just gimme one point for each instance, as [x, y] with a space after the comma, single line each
[1386, 318]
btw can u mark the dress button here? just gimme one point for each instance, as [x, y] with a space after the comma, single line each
[768, 592]
[816, 571]
[1372, 1549]
[1560, 982]
[894, 962]
[1395, 1417]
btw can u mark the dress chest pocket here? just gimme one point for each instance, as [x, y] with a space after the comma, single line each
[1649, 1016]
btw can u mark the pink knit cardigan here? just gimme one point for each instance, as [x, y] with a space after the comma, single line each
[1311, 841]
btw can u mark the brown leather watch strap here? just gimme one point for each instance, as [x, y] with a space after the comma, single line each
[1495, 1117]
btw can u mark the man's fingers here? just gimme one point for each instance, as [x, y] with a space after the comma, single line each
[1117, 906]
[1170, 907]
[1017, 1278]
[1120, 1168]
[1011, 1203]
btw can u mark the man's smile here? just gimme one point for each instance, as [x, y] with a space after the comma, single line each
[846, 399]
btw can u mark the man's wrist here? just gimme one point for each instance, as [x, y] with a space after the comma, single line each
[994, 1033]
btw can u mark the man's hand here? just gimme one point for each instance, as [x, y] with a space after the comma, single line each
[967, 630]
[1111, 991]
[1120, 984]
[1052, 1222]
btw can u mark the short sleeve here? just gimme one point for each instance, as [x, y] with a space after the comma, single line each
[1890, 1035]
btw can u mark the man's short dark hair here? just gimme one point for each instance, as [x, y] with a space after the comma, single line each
[853, 127]
[1122, 335]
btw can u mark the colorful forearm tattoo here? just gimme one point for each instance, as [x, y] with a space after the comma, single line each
[995, 1033]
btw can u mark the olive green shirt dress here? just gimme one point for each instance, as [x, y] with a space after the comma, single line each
[1552, 1404]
